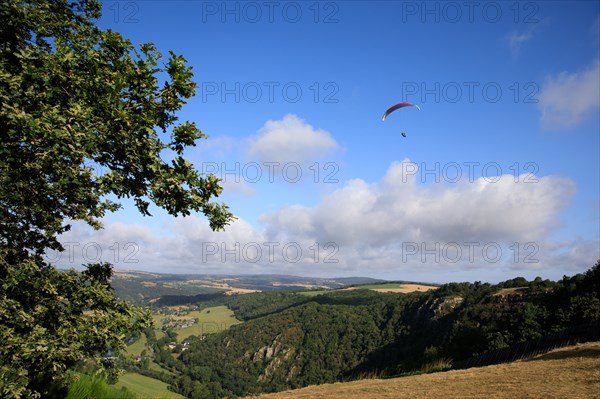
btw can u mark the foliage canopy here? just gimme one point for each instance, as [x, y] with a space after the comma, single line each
[85, 117]
[77, 100]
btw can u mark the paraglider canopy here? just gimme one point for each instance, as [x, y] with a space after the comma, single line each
[398, 106]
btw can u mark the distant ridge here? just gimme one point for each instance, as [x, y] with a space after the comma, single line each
[145, 287]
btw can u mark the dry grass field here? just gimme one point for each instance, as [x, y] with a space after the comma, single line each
[407, 288]
[394, 287]
[571, 372]
[385, 287]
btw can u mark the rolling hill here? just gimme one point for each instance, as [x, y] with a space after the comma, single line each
[146, 287]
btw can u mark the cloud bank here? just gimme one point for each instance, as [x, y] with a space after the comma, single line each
[392, 227]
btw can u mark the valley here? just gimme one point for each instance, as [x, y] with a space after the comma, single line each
[270, 339]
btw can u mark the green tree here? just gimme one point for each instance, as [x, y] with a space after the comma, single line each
[75, 100]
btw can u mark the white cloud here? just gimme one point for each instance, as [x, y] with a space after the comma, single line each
[290, 140]
[117, 243]
[375, 225]
[520, 37]
[567, 99]
[517, 40]
[567, 257]
[218, 146]
[237, 186]
[182, 245]
[394, 227]
[287, 149]
[397, 208]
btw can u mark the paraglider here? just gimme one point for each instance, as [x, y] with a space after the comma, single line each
[398, 106]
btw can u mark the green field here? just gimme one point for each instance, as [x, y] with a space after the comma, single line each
[146, 387]
[137, 347]
[157, 367]
[379, 286]
[312, 293]
[211, 320]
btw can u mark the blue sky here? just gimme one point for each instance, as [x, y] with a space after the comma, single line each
[498, 175]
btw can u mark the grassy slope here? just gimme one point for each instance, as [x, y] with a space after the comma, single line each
[137, 347]
[157, 367]
[378, 286]
[145, 387]
[572, 372]
[211, 320]
[312, 293]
